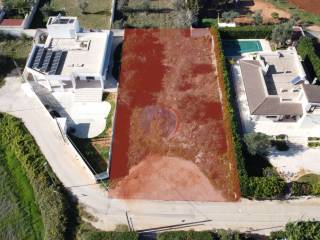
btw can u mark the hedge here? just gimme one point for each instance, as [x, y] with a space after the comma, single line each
[306, 49]
[185, 235]
[99, 235]
[223, 78]
[247, 32]
[50, 196]
[308, 230]
[251, 187]
[304, 189]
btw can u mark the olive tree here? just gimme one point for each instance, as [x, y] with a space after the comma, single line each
[257, 17]
[281, 33]
[257, 143]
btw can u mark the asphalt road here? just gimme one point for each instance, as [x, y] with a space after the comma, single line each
[255, 216]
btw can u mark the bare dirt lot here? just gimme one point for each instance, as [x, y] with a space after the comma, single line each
[170, 140]
[312, 6]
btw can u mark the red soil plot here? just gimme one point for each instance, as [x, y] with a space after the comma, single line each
[170, 140]
[312, 6]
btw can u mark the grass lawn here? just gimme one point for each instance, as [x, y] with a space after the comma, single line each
[12, 48]
[97, 15]
[303, 15]
[158, 14]
[310, 178]
[20, 217]
[96, 150]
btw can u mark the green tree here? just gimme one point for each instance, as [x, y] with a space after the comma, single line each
[257, 17]
[21, 6]
[257, 143]
[281, 33]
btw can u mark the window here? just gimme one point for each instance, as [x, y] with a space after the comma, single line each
[90, 78]
[284, 90]
[271, 116]
[286, 99]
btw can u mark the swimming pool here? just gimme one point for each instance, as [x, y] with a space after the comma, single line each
[237, 47]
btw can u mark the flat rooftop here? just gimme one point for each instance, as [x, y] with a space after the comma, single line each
[282, 72]
[84, 54]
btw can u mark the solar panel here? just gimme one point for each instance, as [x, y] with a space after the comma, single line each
[55, 63]
[34, 56]
[47, 61]
[39, 58]
[296, 80]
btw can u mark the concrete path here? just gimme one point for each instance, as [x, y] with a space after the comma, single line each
[259, 217]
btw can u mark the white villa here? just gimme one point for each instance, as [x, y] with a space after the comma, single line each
[71, 59]
[276, 90]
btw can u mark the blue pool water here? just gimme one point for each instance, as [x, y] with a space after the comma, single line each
[236, 47]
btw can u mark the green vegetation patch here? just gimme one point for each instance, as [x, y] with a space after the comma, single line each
[50, 196]
[20, 217]
[307, 51]
[302, 14]
[310, 178]
[94, 14]
[12, 49]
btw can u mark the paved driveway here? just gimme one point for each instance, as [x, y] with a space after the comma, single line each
[261, 217]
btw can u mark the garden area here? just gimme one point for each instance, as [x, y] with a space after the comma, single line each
[93, 14]
[158, 14]
[16, 9]
[14, 52]
[96, 150]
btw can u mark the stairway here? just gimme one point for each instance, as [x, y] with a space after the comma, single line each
[88, 95]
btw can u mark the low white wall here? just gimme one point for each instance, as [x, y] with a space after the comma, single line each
[81, 160]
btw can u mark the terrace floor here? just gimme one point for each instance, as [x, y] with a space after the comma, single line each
[170, 139]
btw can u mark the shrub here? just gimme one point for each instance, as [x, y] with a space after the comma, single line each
[275, 15]
[300, 189]
[184, 235]
[229, 16]
[307, 230]
[99, 235]
[266, 187]
[247, 32]
[49, 193]
[257, 17]
[280, 145]
[257, 143]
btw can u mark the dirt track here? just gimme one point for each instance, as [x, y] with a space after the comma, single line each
[169, 110]
[312, 6]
